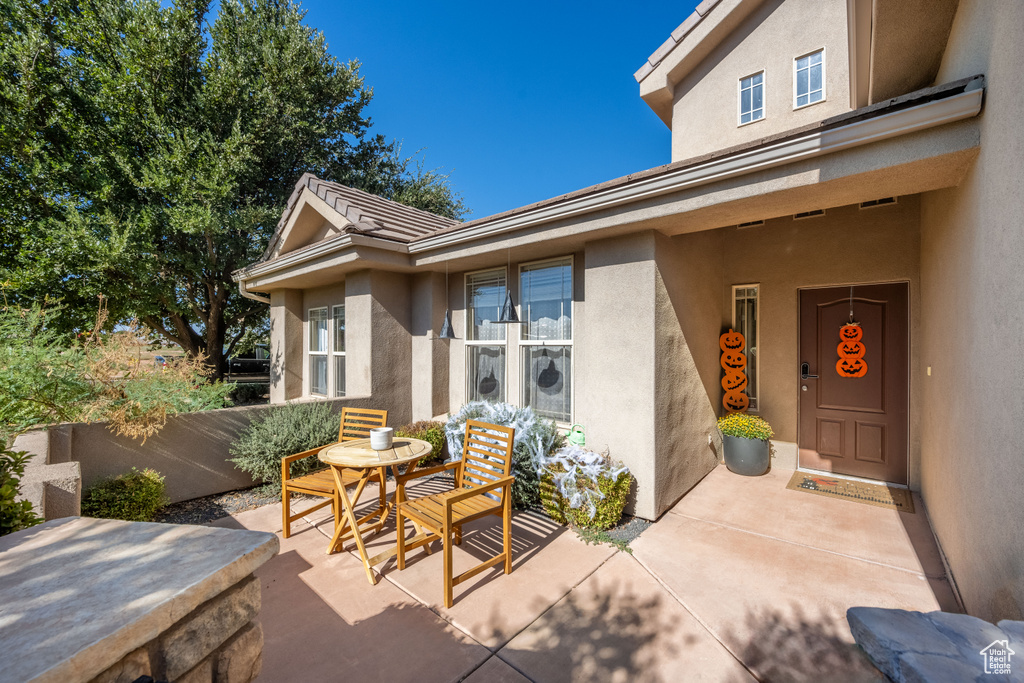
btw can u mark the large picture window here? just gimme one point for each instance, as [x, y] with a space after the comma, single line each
[545, 291]
[338, 349]
[319, 334]
[744, 321]
[485, 338]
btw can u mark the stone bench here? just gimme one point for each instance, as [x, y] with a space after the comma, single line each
[103, 600]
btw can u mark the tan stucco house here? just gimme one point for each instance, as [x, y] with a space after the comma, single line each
[827, 156]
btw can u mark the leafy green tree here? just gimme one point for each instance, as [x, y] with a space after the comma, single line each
[146, 153]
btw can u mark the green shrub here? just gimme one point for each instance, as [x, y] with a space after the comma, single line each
[133, 497]
[249, 392]
[15, 515]
[745, 426]
[592, 496]
[282, 431]
[429, 431]
[535, 438]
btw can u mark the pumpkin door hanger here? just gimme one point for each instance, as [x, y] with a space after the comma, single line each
[851, 351]
[734, 361]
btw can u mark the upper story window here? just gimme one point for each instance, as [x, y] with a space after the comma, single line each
[319, 334]
[485, 338]
[752, 98]
[545, 291]
[809, 79]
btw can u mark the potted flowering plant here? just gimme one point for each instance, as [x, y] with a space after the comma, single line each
[745, 443]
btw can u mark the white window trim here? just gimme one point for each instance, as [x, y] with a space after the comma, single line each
[310, 352]
[824, 92]
[757, 340]
[332, 373]
[520, 342]
[483, 342]
[739, 98]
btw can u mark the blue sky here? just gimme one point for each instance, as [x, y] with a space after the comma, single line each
[519, 101]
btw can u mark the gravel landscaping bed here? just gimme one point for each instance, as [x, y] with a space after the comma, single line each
[207, 509]
[628, 529]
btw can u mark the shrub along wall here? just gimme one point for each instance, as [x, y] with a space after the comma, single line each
[191, 451]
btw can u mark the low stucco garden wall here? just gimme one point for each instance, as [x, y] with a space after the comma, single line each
[191, 452]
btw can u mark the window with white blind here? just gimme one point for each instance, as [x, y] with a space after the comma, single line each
[338, 349]
[545, 291]
[485, 338]
[319, 334]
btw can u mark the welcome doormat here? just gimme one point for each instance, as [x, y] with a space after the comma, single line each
[878, 495]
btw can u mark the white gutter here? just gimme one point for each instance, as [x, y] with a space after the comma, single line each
[249, 295]
[928, 115]
[809, 146]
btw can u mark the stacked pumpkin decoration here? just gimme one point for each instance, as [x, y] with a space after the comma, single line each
[734, 362]
[851, 351]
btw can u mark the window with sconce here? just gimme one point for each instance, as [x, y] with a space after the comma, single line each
[744, 321]
[546, 340]
[319, 334]
[485, 337]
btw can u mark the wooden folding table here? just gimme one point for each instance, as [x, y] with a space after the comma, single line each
[357, 455]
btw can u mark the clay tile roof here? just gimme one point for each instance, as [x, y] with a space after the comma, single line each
[674, 39]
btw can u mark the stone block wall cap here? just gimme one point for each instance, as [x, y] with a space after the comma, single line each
[112, 587]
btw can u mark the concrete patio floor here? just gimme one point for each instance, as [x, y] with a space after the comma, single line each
[742, 580]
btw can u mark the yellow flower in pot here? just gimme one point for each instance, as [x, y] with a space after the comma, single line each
[745, 443]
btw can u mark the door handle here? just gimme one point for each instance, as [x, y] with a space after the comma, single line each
[804, 368]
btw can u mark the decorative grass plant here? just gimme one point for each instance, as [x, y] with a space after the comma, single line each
[745, 426]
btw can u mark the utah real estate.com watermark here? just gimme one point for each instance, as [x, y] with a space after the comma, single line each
[997, 657]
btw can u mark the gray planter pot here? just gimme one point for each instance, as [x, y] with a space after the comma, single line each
[749, 457]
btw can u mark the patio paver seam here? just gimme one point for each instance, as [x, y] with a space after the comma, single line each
[921, 573]
[697, 617]
[503, 660]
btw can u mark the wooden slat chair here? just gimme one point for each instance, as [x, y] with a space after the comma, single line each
[483, 486]
[355, 424]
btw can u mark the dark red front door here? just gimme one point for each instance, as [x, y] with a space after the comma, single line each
[855, 425]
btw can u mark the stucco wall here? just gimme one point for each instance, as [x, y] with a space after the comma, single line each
[429, 354]
[286, 323]
[972, 251]
[689, 280]
[620, 369]
[705, 112]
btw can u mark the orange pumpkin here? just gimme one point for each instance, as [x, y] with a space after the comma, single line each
[731, 341]
[851, 332]
[733, 360]
[735, 401]
[734, 380]
[851, 367]
[850, 350]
